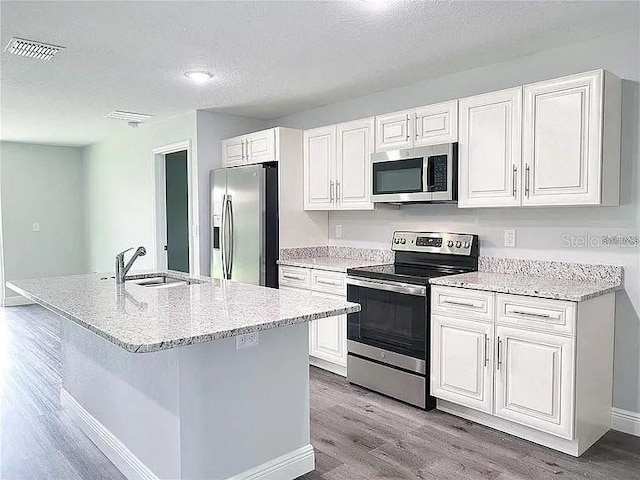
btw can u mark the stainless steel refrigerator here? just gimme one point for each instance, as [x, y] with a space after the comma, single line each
[244, 223]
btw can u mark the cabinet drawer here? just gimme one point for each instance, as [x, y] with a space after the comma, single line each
[462, 302]
[330, 282]
[295, 276]
[536, 313]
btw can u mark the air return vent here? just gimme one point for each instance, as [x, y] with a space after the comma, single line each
[128, 116]
[32, 49]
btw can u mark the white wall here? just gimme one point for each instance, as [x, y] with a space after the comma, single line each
[119, 186]
[539, 230]
[41, 184]
[211, 129]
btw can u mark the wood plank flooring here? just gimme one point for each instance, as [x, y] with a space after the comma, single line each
[357, 434]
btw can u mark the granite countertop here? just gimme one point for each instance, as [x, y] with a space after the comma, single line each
[143, 319]
[544, 287]
[334, 264]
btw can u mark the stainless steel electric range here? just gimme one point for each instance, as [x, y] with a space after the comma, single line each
[388, 340]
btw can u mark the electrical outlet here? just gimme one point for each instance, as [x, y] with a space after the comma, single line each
[338, 231]
[510, 237]
[36, 227]
[247, 340]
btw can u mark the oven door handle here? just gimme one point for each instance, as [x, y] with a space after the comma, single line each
[403, 288]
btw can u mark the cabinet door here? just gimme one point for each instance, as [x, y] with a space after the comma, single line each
[261, 146]
[490, 149]
[319, 168]
[328, 336]
[233, 151]
[562, 140]
[461, 366]
[436, 124]
[394, 131]
[535, 380]
[353, 180]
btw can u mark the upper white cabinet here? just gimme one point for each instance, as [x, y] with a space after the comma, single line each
[336, 166]
[489, 150]
[428, 125]
[550, 143]
[255, 147]
[568, 124]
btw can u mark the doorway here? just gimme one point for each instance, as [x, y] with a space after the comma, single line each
[175, 205]
[177, 211]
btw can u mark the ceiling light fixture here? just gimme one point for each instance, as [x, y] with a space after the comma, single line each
[199, 76]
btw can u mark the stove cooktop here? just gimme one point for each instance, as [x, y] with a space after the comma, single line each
[397, 272]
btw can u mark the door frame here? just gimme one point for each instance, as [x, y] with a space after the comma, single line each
[160, 205]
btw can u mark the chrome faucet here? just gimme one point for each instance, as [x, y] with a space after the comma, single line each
[121, 268]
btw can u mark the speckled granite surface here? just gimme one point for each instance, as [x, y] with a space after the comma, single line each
[334, 258]
[522, 283]
[143, 319]
[559, 270]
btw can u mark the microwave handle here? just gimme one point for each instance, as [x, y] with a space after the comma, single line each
[428, 175]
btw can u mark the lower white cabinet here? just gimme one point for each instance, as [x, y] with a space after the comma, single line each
[327, 336]
[534, 379]
[536, 368]
[461, 349]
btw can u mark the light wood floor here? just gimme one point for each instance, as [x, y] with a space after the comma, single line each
[357, 434]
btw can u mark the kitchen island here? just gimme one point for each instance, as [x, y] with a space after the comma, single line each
[168, 380]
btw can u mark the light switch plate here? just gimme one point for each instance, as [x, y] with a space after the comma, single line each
[510, 237]
[36, 227]
[247, 340]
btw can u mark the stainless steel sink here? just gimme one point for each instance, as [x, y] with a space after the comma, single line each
[163, 280]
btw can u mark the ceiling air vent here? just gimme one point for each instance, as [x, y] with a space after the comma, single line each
[32, 49]
[132, 118]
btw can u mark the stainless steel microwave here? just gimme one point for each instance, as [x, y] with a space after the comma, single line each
[423, 174]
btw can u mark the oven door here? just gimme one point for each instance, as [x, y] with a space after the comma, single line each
[393, 316]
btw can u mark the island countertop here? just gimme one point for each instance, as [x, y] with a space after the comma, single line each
[142, 319]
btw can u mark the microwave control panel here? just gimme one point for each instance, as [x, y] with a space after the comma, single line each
[438, 173]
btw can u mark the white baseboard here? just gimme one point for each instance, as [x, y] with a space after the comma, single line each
[290, 465]
[107, 442]
[625, 421]
[329, 366]
[16, 301]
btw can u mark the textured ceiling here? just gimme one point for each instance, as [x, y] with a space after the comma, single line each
[269, 58]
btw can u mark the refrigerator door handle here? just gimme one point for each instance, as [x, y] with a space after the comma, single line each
[231, 235]
[223, 237]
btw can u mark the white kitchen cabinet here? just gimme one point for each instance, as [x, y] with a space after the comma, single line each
[394, 131]
[233, 151]
[571, 139]
[436, 124]
[327, 336]
[252, 148]
[461, 361]
[353, 172]
[537, 368]
[336, 166]
[319, 153]
[429, 125]
[490, 149]
[534, 380]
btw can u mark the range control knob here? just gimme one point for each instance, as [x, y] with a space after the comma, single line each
[396, 240]
[450, 243]
[467, 244]
[403, 241]
[458, 244]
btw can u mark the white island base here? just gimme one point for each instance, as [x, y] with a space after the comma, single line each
[203, 411]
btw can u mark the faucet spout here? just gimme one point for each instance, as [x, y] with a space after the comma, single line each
[121, 268]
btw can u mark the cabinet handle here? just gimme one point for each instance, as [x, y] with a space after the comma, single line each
[526, 180]
[486, 350]
[415, 125]
[324, 282]
[242, 144]
[460, 304]
[408, 120]
[331, 191]
[292, 277]
[337, 191]
[499, 354]
[531, 314]
[515, 178]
